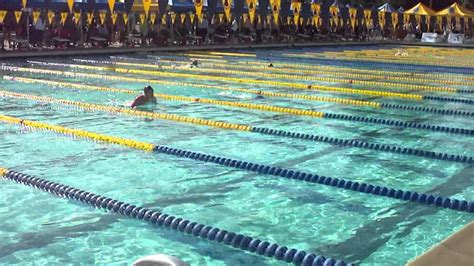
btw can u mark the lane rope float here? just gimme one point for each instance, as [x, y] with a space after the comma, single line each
[302, 66]
[337, 100]
[254, 81]
[415, 97]
[361, 187]
[260, 130]
[170, 222]
[283, 74]
[317, 114]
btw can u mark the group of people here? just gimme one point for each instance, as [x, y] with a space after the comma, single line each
[58, 33]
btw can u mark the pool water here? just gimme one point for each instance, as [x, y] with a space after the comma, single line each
[354, 227]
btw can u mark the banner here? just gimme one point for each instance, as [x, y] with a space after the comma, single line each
[173, 18]
[198, 4]
[114, 18]
[153, 17]
[316, 8]
[455, 38]
[77, 17]
[63, 17]
[334, 11]
[125, 19]
[353, 17]
[18, 16]
[296, 8]
[276, 4]
[406, 18]
[146, 6]
[102, 17]
[90, 17]
[36, 15]
[3, 14]
[439, 21]
[382, 19]
[50, 17]
[368, 17]
[227, 5]
[163, 19]
[252, 5]
[70, 5]
[112, 6]
[394, 20]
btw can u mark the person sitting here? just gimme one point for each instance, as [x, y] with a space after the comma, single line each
[145, 98]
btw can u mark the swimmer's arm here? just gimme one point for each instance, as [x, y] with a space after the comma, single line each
[140, 100]
[153, 100]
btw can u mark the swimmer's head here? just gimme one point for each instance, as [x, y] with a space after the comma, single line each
[259, 92]
[148, 91]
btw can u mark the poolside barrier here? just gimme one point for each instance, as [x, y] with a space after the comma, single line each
[241, 127]
[178, 224]
[427, 199]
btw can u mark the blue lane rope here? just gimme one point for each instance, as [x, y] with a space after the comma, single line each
[367, 145]
[426, 109]
[396, 123]
[439, 201]
[238, 241]
[448, 99]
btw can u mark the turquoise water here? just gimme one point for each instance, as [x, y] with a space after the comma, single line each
[340, 224]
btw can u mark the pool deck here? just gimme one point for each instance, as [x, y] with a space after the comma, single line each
[126, 50]
[457, 249]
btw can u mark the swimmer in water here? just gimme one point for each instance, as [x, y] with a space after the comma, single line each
[270, 65]
[195, 63]
[259, 95]
[145, 98]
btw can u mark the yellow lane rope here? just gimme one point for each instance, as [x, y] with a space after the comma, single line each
[142, 80]
[129, 111]
[80, 133]
[222, 70]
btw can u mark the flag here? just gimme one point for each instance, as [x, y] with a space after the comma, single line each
[70, 4]
[18, 16]
[63, 17]
[90, 17]
[276, 4]
[183, 17]
[36, 15]
[50, 17]
[394, 20]
[146, 6]
[227, 5]
[198, 5]
[111, 6]
[3, 14]
[114, 18]
[368, 17]
[353, 17]
[77, 17]
[296, 7]
[252, 5]
[153, 18]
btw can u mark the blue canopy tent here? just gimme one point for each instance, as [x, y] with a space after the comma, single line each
[181, 6]
[104, 5]
[387, 8]
[10, 5]
[38, 4]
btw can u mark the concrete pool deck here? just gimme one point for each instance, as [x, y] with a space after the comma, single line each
[457, 249]
[126, 50]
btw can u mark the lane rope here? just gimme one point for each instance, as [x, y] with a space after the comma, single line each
[157, 218]
[421, 198]
[240, 127]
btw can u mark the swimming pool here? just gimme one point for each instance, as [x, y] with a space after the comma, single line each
[327, 220]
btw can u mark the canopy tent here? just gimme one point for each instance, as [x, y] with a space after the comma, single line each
[420, 9]
[181, 6]
[387, 8]
[455, 10]
[10, 4]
